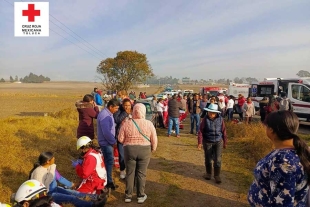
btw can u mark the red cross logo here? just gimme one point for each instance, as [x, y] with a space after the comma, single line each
[31, 12]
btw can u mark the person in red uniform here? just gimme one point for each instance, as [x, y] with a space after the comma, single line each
[91, 169]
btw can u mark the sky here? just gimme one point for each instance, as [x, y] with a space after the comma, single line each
[200, 39]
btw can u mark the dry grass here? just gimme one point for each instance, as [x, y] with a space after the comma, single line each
[174, 175]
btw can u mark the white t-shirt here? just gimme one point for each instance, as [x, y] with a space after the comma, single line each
[230, 104]
[160, 107]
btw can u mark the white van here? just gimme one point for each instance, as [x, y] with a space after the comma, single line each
[235, 89]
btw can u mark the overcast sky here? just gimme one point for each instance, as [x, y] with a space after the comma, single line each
[198, 39]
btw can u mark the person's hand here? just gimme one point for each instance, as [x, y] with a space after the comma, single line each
[199, 146]
[75, 163]
[73, 186]
[115, 145]
[80, 161]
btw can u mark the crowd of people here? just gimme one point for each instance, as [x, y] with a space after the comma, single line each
[280, 179]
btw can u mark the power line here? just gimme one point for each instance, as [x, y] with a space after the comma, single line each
[74, 43]
[76, 34]
[97, 55]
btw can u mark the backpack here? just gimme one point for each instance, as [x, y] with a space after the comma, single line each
[284, 105]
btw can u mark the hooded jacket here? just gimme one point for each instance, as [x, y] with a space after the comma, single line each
[86, 114]
[129, 134]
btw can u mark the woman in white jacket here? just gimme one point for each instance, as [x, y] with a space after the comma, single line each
[248, 109]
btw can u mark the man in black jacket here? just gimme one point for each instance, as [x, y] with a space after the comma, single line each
[174, 107]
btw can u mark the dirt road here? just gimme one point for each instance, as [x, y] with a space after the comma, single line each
[175, 177]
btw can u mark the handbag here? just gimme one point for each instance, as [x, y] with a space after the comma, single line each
[145, 137]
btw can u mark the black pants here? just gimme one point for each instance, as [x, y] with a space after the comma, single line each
[160, 119]
[262, 116]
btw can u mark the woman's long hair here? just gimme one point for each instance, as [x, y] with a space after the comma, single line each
[43, 158]
[285, 124]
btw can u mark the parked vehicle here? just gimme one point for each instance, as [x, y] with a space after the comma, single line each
[213, 91]
[296, 89]
[235, 89]
[150, 115]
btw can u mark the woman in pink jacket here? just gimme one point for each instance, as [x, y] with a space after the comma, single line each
[139, 138]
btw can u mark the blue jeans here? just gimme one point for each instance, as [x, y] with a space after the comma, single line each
[230, 112]
[195, 117]
[108, 155]
[62, 196]
[174, 121]
[120, 148]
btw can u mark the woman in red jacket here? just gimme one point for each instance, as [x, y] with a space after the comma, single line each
[241, 101]
[91, 169]
[88, 110]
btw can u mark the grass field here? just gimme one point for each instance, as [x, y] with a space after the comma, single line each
[175, 172]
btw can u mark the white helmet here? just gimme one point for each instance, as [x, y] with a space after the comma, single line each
[4, 205]
[82, 141]
[28, 190]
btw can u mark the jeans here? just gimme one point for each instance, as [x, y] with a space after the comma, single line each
[62, 196]
[171, 122]
[213, 151]
[195, 117]
[108, 155]
[230, 113]
[137, 159]
[120, 148]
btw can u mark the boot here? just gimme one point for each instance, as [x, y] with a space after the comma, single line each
[209, 173]
[217, 172]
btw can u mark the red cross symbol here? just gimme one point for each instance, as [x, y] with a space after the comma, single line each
[31, 12]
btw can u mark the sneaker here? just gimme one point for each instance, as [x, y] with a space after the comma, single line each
[142, 199]
[168, 135]
[127, 199]
[122, 174]
[178, 136]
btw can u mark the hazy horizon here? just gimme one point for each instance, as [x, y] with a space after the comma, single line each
[196, 39]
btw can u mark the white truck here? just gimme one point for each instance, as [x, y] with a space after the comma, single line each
[235, 89]
[296, 89]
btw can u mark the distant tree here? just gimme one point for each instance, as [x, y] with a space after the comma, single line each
[250, 80]
[227, 82]
[11, 79]
[2, 80]
[238, 80]
[122, 71]
[16, 78]
[303, 73]
[33, 78]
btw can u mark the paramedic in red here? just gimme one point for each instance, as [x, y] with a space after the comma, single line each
[241, 101]
[91, 169]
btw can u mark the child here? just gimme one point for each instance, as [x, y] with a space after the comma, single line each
[45, 172]
[213, 138]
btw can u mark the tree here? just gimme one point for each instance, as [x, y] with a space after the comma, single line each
[303, 73]
[122, 71]
[2, 80]
[16, 78]
[11, 79]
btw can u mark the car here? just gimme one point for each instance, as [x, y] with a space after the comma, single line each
[150, 115]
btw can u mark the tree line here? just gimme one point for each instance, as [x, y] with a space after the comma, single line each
[31, 78]
[131, 67]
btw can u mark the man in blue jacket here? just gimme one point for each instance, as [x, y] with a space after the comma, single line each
[106, 137]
